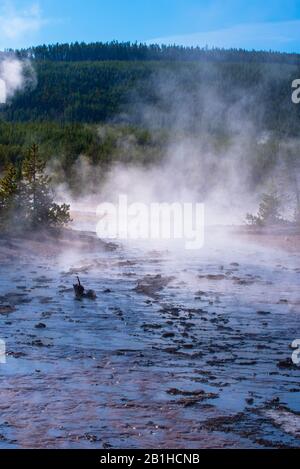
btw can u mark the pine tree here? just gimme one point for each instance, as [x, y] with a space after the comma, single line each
[268, 212]
[9, 196]
[8, 184]
[37, 197]
[269, 209]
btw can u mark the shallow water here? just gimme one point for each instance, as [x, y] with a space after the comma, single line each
[186, 360]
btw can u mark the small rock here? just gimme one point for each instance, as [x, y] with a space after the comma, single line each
[40, 325]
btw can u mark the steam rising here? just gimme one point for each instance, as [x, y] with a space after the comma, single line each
[211, 160]
[191, 171]
[14, 76]
[216, 152]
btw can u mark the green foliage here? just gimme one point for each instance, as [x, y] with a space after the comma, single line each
[8, 195]
[125, 51]
[28, 202]
[268, 212]
[61, 145]
[120, 102]
[39, 208]
[118, 82]
[8, 184]
[58, 215]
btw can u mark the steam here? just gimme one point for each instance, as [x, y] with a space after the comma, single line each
[193, 168]
[217, 150]
[191, 171]
[15, 76]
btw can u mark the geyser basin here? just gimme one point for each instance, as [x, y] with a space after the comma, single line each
[177, 351]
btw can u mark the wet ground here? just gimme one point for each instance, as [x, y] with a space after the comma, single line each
[179, 350]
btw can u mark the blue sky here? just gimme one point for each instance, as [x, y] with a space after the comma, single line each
[268, 24]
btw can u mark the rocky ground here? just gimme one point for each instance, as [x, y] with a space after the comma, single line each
[179, 350]
[286, 239]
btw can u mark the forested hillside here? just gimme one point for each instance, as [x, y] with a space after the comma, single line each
[127, 103]
[133, 51]
[61, 145]
[119, 81]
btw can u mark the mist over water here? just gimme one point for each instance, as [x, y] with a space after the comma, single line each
[217, 150]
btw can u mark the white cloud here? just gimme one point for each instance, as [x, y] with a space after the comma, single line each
[17, 24]
[280, 36]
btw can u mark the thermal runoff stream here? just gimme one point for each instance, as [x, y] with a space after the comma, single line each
[182, 349]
